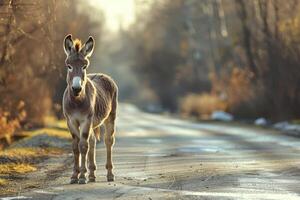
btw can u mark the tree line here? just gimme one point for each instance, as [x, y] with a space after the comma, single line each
[237, 55]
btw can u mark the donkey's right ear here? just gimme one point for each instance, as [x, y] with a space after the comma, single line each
[68, 44]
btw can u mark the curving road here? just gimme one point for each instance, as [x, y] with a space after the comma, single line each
[160, 157]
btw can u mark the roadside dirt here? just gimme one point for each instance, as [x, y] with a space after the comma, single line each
[31, 163]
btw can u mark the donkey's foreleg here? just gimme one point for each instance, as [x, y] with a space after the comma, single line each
[75, 133]
[92, 158]
[74, 177]
[85, 130]
[109, 142]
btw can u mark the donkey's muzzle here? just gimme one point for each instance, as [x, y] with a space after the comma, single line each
[76, 90]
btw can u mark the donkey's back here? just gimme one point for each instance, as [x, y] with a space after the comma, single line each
[103, 83]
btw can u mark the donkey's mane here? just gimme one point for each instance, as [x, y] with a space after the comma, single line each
[77, 44]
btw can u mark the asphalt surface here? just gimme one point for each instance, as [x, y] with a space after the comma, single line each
[160, 157]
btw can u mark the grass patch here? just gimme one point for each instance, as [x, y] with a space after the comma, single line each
[30, 152]
[61, 124]
[3, 182]
[19, 152]
[54, 123]
[53, 132]
[20, 168]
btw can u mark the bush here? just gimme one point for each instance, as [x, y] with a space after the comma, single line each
[233, 91]
[201, 105]
[10, 122]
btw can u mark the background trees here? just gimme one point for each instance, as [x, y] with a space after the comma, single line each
[244, 53]
[32, 59]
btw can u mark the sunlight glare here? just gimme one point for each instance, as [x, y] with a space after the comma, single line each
[118, 13]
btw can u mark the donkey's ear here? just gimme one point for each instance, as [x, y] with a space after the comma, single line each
[88, 47]
[68, 44]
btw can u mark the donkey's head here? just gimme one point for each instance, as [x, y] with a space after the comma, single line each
[77, 62]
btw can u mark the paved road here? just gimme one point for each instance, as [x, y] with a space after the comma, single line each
[159, 157]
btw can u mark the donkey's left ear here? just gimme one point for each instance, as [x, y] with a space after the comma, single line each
[88, 47]
[68, 44]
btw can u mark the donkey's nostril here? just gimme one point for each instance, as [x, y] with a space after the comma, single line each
[76, 89]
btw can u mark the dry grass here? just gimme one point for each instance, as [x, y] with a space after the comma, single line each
[52, 121]
[54, 132]
[3, 182]
[26, 154]
[201, 105]
[20, 168]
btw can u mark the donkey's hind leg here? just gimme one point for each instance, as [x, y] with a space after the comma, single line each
[91, 158]
[109, 142]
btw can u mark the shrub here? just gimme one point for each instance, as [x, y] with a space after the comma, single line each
[10, 122]
[201, 105]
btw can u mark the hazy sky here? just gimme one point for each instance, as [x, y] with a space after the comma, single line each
[116, 12]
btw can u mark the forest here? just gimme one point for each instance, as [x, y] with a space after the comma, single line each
[181, 56]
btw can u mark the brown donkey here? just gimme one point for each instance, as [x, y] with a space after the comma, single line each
[89, 101]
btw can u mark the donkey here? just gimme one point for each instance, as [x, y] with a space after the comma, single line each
[89, 101]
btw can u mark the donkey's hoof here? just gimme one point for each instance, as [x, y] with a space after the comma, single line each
[92, 180]
[110, 178]
[74, 180]
[82, 181]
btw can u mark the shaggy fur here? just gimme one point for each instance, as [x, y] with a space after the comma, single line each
[86, 108]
